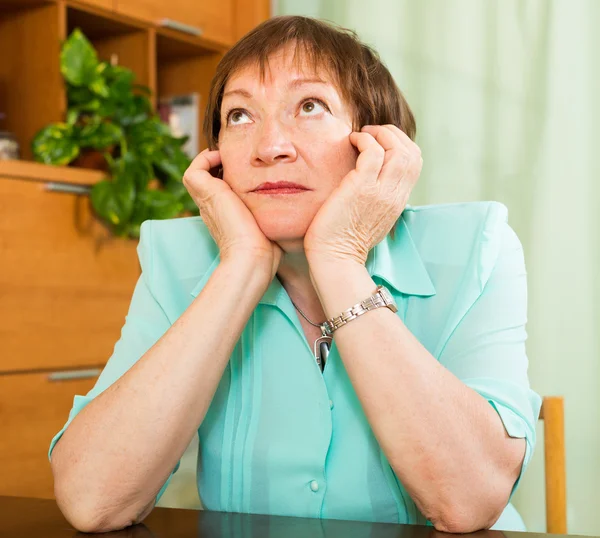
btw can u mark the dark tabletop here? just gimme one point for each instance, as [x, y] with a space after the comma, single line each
[37, 518]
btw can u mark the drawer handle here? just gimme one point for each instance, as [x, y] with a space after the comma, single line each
[180, 26]
[66, 375]
[67, 188]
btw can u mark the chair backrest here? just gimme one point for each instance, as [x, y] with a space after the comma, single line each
[552, 414]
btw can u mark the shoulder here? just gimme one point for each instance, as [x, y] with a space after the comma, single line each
[466, 249]
[471, 236]
[175, 250]
[454, 220]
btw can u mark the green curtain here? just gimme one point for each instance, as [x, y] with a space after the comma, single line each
[506, 97]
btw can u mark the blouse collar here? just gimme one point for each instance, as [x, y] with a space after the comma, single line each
[396, 261]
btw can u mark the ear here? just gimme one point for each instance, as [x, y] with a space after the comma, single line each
[217, 172]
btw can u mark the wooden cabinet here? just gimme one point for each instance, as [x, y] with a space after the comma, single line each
[65, 283]
[33, 408]
[65, 287]
[106, 4]
[214, 20]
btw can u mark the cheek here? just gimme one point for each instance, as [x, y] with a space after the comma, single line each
[335, 156]
[234, 152]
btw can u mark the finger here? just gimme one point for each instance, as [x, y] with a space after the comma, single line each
[403, 137]
[371, 154]
[206, 160]
[411, 148]
[387, 138]
[194, 177]
[398, 157]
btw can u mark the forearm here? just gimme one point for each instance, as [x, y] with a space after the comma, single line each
[444, 441]
[117, 453]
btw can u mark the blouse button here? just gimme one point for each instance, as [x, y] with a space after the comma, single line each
[314, 486]
[330, 404]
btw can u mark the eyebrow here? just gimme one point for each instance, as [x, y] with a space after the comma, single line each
[294, 84]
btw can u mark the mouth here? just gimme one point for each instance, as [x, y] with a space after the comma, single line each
[281, 187]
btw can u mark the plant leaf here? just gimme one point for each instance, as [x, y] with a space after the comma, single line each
[100, 134]
[162, 204]
[55, 144]
[78, 60]
[137, 169]
[169, 160]
[72, 116]
[177, 189]
[114, 200]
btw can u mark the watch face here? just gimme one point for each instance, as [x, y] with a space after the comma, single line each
[388, 299]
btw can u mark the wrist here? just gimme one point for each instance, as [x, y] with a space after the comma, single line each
[340, 284]
[258, 268]
[323, 257]
[328, 265]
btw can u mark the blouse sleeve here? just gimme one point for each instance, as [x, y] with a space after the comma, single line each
[487, 348]
[145, 323]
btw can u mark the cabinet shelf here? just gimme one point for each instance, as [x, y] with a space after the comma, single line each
[35, 171]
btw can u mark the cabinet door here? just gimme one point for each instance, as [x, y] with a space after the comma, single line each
[213, 18]
[33, 408]
[65, 283]
[106, 4]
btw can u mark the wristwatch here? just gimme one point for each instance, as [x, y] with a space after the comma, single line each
[381, 297]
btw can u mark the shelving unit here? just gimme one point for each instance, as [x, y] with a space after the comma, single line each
[31, 32]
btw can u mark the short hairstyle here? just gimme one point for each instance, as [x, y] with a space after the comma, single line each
[360, 76]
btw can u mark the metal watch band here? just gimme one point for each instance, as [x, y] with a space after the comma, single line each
[381, 297]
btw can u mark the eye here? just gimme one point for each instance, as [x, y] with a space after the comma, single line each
[313, 106]
[236, 117]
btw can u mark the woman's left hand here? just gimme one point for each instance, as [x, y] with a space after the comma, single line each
[369, 199]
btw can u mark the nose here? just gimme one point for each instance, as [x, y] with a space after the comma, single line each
[272, 145]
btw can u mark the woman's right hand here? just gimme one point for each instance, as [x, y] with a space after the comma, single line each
[229, 221]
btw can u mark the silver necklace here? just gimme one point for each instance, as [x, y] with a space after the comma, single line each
[322, 345]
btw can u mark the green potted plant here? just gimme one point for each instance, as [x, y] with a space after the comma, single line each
[110, 115]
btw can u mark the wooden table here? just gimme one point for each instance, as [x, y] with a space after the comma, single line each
[41, 518]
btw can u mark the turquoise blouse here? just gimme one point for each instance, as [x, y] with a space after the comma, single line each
[280, 437]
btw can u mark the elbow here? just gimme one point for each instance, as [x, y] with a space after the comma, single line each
[85, 515]
[456, 522]
[470, 515]
[88, 516]
[462, 521]
[93, 513]
[453, 519]
[86, 523]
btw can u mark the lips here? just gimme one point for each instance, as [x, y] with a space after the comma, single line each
[279, 186]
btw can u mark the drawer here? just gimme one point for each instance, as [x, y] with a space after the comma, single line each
[214, 19]
[65, 283]
[33, 408]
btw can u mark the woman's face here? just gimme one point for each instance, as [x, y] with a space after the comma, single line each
[293, 126]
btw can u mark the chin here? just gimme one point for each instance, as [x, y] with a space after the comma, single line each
[285, 228]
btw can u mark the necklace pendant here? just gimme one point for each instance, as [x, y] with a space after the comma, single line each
[322, 346]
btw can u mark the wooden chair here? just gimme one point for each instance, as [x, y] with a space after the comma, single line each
[552, 413]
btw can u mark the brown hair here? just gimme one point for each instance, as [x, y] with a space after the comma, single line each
[359, 74]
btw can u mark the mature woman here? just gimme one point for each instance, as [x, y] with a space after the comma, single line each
[339, 354]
